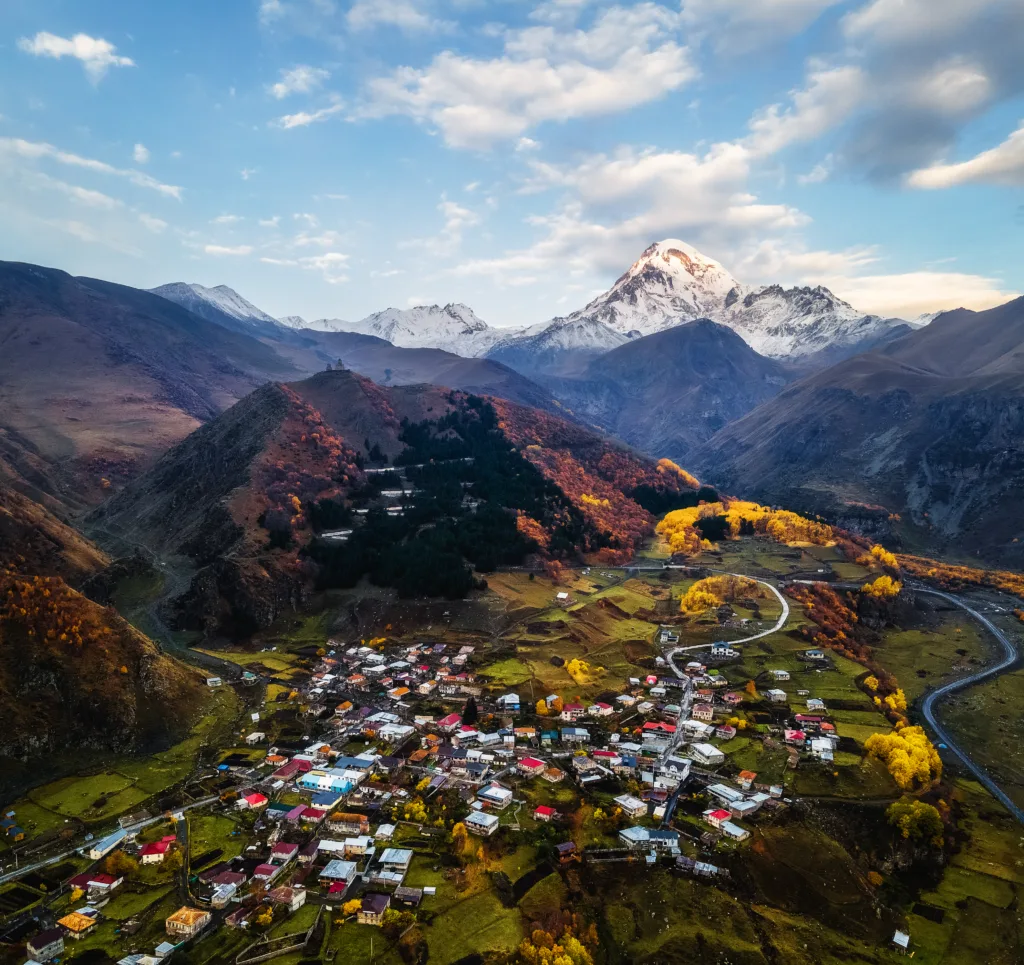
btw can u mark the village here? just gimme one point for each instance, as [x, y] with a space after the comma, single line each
[412, 760]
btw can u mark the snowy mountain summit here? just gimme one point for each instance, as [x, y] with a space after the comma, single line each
[672, 283]
[454, 328]
[200, 299]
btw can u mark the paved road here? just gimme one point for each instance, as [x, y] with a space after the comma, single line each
[46, 862]
[934, 696]
[670, 656]
[928, 705]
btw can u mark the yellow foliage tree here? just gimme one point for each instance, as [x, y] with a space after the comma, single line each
[897, 701]
[871, 682]
[351, 907]
[423, 784]
[885, 587]
[542, 708]
[908, 754]
[578, 669]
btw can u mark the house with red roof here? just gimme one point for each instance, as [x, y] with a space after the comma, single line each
[449, 724]
[253, 801]
[531, 766]
[283, 852]
[658, 727]
[544, 813]
[716, 817]
[156, 851]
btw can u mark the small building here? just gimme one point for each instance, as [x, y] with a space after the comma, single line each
[776, 696]
[631, 806]
[103, 847]
[816, 705]
[293, 898]
[746, 779]
[155, 851]
[482, 823]
[901, 942]
[725, 731]
[337, 871]
[703, 711]
[553, 774]
[78, 925]
[252, 801]
[716, 817]
[396, 860]
[371, 911]
[348, 823]
[821, 748]
[575, 735]
[814, 654]
[734, 831]
[46, 945]
[707, 754]
[544, 813]
[410, 897]
[496, 796]
[566, 852]
[531, 766]
[187, 922]
[779, 675]
[214, 682]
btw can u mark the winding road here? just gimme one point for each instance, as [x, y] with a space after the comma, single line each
[670, 656]
[928, 705]
[932, 697]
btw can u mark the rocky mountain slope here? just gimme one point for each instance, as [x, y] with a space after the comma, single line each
[928, 426]
[221, 305]
[70, 667]
[244, 496]
[96, 378]
[669, 392]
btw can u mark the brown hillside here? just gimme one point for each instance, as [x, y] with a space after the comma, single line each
[70, 667]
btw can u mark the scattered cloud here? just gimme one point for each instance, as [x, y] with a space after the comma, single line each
[819, 173]
[628, 57]
[405, 14]
[270, 222]
[270, 10]
[830, 96]
[915, 293]
[457, 218]
[298, 80]
[331, 265]
[1003, 165]
[140, 154]
[309, 219]
[14, 147]
[96, 55]
[247, 173]
[305, 118]
[156, 225]
[738, 26]
[221, 250]
[226, 219]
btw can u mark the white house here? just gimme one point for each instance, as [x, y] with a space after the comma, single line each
[776, 696]
[707, 754]
[482, 823]
[779, 675]
[496, 796]
[631, 806]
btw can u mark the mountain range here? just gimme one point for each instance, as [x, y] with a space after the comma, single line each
[670, 284]
[928, 426]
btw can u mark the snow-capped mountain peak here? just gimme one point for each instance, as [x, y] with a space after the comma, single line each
[454, 327]
[293, 321]
[672, 283]
[226, 300]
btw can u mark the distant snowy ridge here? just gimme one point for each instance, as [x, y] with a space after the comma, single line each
[673, 283]
[196, 298]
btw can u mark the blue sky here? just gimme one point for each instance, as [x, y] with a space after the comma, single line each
[331, 157]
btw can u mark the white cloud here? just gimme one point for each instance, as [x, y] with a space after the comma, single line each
[457, 218]
[226, 219]
[96, 55]
[738, 26]
[527, 144]
[78, 194]
[270, 222]
[628, 57]
[299, 80]
[38, 150]
[271, 10]
[404, 14]
[310, 219]
[247, 173]
[819, 173]
[220, 250]
[305, 118]
[830, 96]
[1000, 165]
[332, 265]
[915, 293]
[140, 154]
[156, 225]
[900, 21]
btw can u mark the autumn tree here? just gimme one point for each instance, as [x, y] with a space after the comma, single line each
[351, 907]
[916, 821]
[908, 754]
[541, 707]
[883, 588]
[121, 865]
